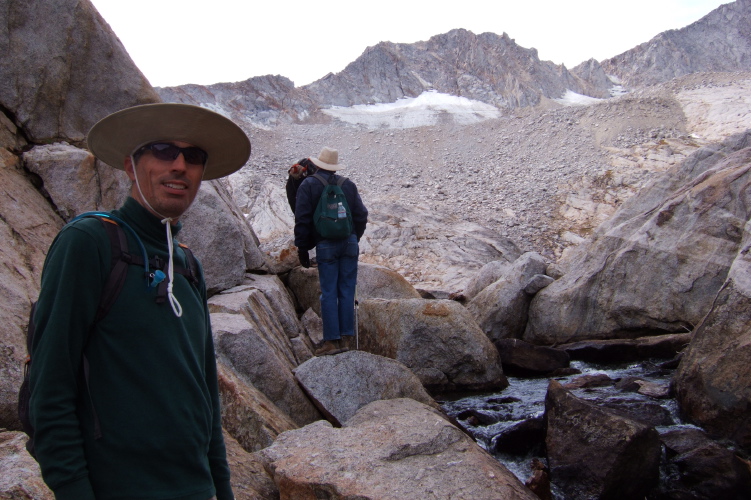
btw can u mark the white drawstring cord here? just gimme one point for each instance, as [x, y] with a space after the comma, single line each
[176, 307]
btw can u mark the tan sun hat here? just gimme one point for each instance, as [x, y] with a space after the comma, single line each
[328, 160]
[118, 135]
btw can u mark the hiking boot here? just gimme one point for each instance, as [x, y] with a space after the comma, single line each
[348, 342]
[329, 347]
[343, 344]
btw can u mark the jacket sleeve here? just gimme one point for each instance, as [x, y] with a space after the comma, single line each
[359, 212]
[71, 285]
[305, 233]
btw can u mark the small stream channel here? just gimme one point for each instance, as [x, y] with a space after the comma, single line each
[486, 416]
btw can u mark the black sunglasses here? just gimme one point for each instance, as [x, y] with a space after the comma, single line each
[165, 151]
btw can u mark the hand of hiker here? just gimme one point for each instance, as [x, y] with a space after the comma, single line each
[304, 258]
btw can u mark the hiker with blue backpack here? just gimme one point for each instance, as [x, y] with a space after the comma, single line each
[124, 398]
[331, 217]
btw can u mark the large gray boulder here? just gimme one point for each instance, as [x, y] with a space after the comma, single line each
[501, 308]
[593, 453]
[657, 266]
[218, 234]
[249, 479]
[437, 339]
[247, 414]
[342, 384]
[713, 382]
[390, 449]
[63, 69]
[258, 335]
[28, 225]
[75, 181]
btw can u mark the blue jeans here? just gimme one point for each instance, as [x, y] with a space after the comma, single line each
[337, 274]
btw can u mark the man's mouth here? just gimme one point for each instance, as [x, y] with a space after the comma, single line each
[175, 186]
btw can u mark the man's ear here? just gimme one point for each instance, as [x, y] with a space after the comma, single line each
[128, 164]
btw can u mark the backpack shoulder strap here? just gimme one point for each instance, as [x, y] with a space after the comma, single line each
[121, 260]
[191, 273]
[321, 178]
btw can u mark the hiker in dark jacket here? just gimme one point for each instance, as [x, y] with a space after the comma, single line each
[128, 406]
[337, 259]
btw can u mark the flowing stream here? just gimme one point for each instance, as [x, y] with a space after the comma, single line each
[488, 415]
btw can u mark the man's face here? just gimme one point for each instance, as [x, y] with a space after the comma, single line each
[169, 186]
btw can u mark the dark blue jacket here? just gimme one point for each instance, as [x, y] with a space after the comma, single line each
[308, 194]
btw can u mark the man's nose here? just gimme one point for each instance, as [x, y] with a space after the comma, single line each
[179, 162]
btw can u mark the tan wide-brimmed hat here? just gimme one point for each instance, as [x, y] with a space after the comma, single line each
[118, 135]
[328, 159]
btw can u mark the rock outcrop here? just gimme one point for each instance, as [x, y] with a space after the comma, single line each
[437, 339]
[390, 449]
[501, 308]
[342, 384]
[59, 78]
[713, 382]
[251, 339]
[656, 266]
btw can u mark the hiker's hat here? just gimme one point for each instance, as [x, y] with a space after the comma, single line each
[328, 159]
[118, 135]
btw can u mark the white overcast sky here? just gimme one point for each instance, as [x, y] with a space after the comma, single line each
[175, 42]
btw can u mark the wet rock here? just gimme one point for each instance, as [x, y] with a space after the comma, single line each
[340, 385]
[524, 359]
[698, 467]
[627, 350]
[437, 339]
[650, 414]
[587, 381]
[593, 453]
[477, 418]
[539, 482]
[525, 437]
[396, 448]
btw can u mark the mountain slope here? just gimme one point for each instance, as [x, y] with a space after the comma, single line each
[720, 41]
[487, 67]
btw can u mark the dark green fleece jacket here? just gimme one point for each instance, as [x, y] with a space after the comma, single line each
[153, 379]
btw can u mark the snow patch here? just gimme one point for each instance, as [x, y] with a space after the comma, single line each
[571, 98]
[424, 110]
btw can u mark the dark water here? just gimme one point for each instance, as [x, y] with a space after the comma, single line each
[525, 398]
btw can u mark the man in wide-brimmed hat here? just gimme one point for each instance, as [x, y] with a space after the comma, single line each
[337, 256]
[124, 395]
